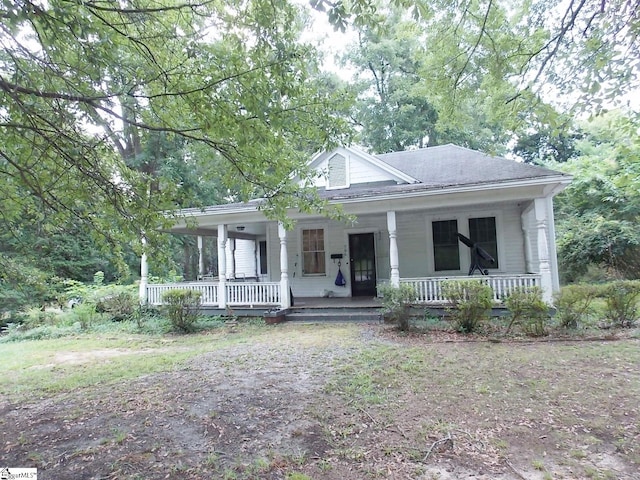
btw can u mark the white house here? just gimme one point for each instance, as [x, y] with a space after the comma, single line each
[409, 207]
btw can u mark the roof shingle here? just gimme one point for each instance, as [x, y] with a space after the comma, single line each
[454, 165]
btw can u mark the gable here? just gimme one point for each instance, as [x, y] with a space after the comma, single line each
[348, 167]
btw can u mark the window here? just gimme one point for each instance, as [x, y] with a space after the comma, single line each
[262, 245]
[337, 172]
[313, 255]
[483, 232]
[445, 245]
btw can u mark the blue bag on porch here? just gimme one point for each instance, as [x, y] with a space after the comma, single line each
[340, 280]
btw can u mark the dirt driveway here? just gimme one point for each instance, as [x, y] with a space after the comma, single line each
[346, 402]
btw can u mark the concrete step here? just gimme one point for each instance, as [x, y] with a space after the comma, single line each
[334, 315]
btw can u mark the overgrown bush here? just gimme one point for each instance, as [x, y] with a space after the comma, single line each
[528, 309]
[621, 302]
[16, 333]
[182, 306]
[470, 303]
[36, 317]
[396, 302]
[84, 314]
[119, 306]
[574, 303]
[22, 286]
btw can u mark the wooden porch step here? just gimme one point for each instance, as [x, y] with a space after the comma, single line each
[323, 315]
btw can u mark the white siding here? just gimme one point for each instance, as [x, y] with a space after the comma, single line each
[359, 170]
[314, 285]
[415, 241]
[414, 244]
[245, 259]
[364, 172]
[512, 247]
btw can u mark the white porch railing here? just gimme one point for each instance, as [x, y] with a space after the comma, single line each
[248, 294]
[209, 291]
[429, 289]
[253, 293]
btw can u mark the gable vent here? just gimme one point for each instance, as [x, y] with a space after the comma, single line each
[337, 171]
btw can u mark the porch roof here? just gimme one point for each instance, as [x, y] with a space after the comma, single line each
[446, 170]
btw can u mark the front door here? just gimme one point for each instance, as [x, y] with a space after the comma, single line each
[362, 255]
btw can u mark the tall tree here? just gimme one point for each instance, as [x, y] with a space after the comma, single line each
[92, 92]
[599, 213]
[437, 79]
[580, 52]
[545, 144]
[391, 113]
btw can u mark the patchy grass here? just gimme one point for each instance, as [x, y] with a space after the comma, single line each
[320, 401]
[44, 367]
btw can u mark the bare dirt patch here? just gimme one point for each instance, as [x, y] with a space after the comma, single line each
[336, 402]
[77, 358]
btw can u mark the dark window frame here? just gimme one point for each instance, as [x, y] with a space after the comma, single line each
[446, 250]
[262, 251]
[484, 231]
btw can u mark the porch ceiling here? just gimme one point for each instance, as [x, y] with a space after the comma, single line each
[247, 231]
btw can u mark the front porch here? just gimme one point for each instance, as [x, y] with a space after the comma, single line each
[260, 296]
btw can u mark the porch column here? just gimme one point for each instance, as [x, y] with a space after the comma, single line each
[285, 300]
[553, 253]
[544, 265]
[528, 255]
[200, 257]
[222, 266]
[393, 250]
[144, 273]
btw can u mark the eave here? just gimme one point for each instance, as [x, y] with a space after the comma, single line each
[411, 198]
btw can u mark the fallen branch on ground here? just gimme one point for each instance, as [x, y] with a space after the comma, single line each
[518, 474]
[448, 440]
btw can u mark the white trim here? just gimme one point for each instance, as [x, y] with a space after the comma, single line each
[553, 251]
[347, 175]
[285, 286]
[398, 175]
[405, 178]
[313, 226]
[253, 214]
[449, 190]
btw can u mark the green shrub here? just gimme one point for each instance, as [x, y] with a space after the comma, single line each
[396, 302]
[143, 314]
[84, 314]
[182, 306]
[119, 306]
[621, 302]
[528, 309]
[573, 303]
[470, 303]
[36, 317]
[14, 333]
[98, 278]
